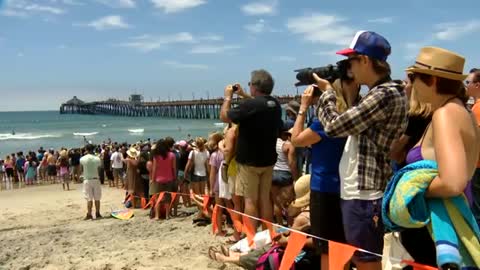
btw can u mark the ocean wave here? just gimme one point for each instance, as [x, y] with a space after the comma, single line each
[85, 134]
[140, 130]
[26, 136]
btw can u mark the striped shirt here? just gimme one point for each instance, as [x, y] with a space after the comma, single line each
[378, 119]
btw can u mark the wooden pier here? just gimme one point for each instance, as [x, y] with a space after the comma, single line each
[136, 107]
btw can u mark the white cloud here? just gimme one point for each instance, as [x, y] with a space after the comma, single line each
[178, 65]
[322, 28]
[13, 13]
[211, 37]
[62, 46]
[257, 27]
[456, 30]
[108, 23]
[260, 26]
[147, 43]
[40, 8]
[260, 8]
[213, 49]
[25, 8]
[284, 58]
[173, 6]
[20, 54]
[119, 3]
[381, 20]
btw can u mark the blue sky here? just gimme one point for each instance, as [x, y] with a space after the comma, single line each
[51, 50]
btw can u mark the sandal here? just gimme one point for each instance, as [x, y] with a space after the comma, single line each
[212, 253]
[225, 251]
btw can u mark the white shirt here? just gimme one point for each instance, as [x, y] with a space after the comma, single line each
[200, 159]
[349, 175]
[116, 159]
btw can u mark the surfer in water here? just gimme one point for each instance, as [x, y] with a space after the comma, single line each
[13, 132]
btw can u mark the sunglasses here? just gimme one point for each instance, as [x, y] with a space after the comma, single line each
[411, 77]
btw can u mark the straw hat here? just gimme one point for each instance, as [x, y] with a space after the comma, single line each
[132, 152]
[439, 62]
[64, 153]
[302, 192]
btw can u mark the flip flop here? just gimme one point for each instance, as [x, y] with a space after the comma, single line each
[212, 253]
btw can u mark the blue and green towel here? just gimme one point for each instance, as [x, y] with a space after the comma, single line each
[450, 221]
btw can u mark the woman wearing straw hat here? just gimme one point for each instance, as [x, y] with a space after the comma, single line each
[451, 139]
[133, 185]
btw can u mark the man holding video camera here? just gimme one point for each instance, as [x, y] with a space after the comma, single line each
[371, 126]
[259, 119]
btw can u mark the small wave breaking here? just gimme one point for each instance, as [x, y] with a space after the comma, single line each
[26, 136]
[85, 133]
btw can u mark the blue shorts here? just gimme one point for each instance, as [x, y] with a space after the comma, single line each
[281, 178]
[363, 226]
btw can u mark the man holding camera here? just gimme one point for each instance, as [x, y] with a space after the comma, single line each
[259, 119]
[371, 127]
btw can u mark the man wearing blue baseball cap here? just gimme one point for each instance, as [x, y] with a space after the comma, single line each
[371, 126]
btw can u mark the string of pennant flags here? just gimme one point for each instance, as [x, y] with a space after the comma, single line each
[339, 253]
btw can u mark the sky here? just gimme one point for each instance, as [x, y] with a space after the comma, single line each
[51, 50]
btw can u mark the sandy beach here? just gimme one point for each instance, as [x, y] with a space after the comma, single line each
[41, 227]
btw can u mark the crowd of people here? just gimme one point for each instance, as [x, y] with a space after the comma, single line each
[326, 170]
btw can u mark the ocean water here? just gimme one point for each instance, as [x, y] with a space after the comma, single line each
[50, 129]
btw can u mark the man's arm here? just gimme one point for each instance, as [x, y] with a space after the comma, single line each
[371, 109]
[227, 102]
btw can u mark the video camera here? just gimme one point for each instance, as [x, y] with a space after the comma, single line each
[329, 73]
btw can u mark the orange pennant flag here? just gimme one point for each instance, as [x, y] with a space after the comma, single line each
[270, 230]
[417, 266]
[143, 202]
[160, 198]
[174, 196]
[295, 244]
[339, 254]
[206, 200]
[248, 229]
[214, 219]
[237, 221]
[151, 201]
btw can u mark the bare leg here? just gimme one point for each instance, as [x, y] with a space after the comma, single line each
[89, 208]
[97, 208]
[252, 209]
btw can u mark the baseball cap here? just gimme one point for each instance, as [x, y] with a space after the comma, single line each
[370, 44]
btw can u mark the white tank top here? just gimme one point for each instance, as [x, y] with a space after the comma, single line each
[282, 159]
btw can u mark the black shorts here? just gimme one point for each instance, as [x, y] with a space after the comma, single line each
[20, 170]
[9, 172]
[326, 219]
[52, 170]
[420, 245]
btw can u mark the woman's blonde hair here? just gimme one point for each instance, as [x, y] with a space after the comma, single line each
[213, 141]
[418, 108]
[342, 105]
[200, 143]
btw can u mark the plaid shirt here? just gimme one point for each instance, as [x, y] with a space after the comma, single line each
[378, 119]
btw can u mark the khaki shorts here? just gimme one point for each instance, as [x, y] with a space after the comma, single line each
[92, 190]
[118, 173]
[252, 180]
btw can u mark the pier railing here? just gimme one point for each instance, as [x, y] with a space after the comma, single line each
[189, 109]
